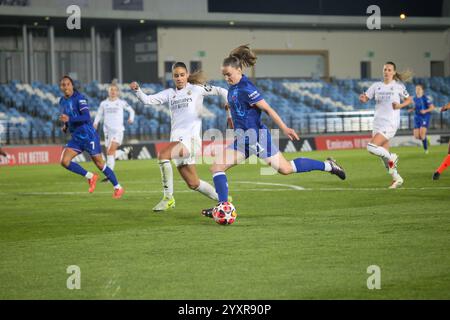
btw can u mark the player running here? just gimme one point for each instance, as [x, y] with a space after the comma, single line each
[185, 104]
[111, 112]
[75, 116]
[446, 161]
[253, 137]
[422, 114]
[387, 95]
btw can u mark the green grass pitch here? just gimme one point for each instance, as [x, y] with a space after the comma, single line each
[315, 243]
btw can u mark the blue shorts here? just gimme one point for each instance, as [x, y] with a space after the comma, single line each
[254, 142]
[88, 141]
[421, 121]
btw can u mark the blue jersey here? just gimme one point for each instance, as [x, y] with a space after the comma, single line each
[242, 97]
[74, 106]
[84, 135]
[256, 140]
[420, 104]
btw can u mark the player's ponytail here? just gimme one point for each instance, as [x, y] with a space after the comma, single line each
[197, 77]
[403, 76]
[241, 57]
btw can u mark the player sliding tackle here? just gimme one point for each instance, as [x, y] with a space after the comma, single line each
[246, 105]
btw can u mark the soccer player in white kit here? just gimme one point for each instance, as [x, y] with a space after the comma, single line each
[185, 103]
[111, 112]
[388, 95]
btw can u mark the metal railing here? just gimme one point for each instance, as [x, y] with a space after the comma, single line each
[315, 123]
[355, 121]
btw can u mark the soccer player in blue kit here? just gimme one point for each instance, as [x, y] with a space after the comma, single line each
[422, 114]
[75, 116]
[253, 137]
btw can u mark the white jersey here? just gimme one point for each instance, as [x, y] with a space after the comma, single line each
[185, 107]
[112, 114]
[385, 95]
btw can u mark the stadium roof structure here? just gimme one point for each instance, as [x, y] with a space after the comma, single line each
[200, 13]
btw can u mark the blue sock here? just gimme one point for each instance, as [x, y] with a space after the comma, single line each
[76, 168]
[425, 143]
[305, 165]
[110, 175]
[221, 184]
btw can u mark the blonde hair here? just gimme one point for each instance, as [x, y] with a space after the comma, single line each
[240, 57]
[403, 76]
[197, 77]
[114, 85]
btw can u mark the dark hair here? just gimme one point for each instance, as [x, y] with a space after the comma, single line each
[401, 76]
[392, 64]
[179, 65]
[240, 57]
[421, 85]
[197, 77]
[69, 78]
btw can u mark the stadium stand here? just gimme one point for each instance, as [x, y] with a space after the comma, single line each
[29, 112]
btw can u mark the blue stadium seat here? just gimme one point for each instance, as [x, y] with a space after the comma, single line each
[294, 99]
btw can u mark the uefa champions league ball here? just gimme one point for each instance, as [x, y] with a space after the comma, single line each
[224, 213]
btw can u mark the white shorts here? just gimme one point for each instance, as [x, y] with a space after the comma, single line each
[193, 144]
[386, 130]
[113, 136]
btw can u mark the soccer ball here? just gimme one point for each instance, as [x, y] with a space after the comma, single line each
[224, 213]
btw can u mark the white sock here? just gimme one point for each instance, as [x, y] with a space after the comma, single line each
[395, 175]
[110, 161]
[117, 186]
[327, 166]
[385, 162]
[208, 190]
[166, 177]
[89, 175]
[378, 151]
[119, 154]
[294, 168]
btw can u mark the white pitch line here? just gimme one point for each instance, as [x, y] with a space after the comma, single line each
[74, 183]
[295, 187]
[232, 191]
[377, 189]
[56, 193]
[291, 186]
[115, 292]
[150, 183]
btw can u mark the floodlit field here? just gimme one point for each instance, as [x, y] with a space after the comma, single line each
[287, 243]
